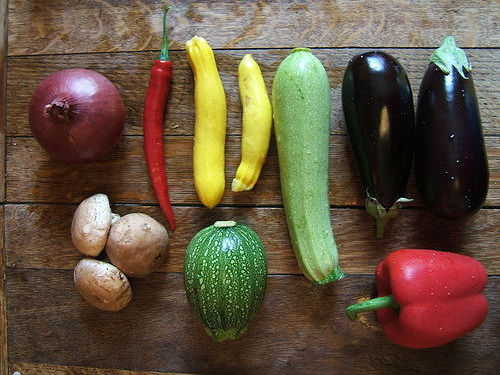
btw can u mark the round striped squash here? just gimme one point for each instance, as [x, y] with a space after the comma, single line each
[225, 271]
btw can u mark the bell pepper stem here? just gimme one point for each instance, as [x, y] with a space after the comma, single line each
[370, 305]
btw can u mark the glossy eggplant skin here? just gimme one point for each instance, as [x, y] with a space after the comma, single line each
[451, 166]
[380, 119]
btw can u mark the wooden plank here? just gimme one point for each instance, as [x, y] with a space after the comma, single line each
[36, 368]
[3, 94]
[38, 27]
[130, 72]
[303, 326]
[3, 296]
[3, 101]
[38, 236]
[122, 174]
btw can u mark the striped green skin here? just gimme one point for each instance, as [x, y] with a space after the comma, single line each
[301, 111]
[225, 272]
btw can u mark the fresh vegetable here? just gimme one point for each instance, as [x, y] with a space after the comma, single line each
[380, 119]
[154, 107]
[301, 112]
[102, 284]
[451, 166]
[210, 123]
[137, 244]
[225, 272]
[257, 123]
[91, 224]
[77, 115]
[427, 298]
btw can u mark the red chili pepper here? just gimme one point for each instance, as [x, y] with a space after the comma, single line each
[154, 107]
[427, 298]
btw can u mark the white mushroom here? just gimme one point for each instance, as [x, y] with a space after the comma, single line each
[102, 284]
[91, 224]
[137, 244]
[114, 218]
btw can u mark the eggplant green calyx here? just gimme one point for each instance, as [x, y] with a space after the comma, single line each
[384, 302]
[381, 214]
[448, 55]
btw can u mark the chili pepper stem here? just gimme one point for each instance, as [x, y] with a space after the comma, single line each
[370, 305]
[164, 45]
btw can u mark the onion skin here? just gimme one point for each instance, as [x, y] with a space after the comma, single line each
[77, 115]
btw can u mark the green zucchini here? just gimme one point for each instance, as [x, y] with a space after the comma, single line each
[225, 270]
[301, 111]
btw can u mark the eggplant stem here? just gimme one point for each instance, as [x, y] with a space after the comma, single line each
[449, 56]
[381, 214]
[382, 220]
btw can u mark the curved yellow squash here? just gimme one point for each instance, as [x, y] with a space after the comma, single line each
[210, 123]
[257, 122]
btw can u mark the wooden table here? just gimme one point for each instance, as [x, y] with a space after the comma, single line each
[46, 327]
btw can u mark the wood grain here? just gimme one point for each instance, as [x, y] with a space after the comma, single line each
[304, 327]
[130, 72]
[3, 94]
[3, 296]
[36, 368]
[3, 102]
[33, 177]
[38, 236]
[38, 27]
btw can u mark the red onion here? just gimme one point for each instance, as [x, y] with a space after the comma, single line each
[77, 115]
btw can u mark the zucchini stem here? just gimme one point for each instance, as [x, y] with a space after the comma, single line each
[225, 224]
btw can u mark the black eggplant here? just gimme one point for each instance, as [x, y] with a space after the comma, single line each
[451, 166]
[380, 119]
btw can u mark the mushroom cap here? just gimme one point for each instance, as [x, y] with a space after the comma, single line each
[137, 244]
[102, 284]
[91, 224]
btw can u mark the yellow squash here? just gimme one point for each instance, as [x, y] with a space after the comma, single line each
[257, 122]
[210, 123]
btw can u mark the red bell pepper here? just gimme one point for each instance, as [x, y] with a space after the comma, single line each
[427, 298]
